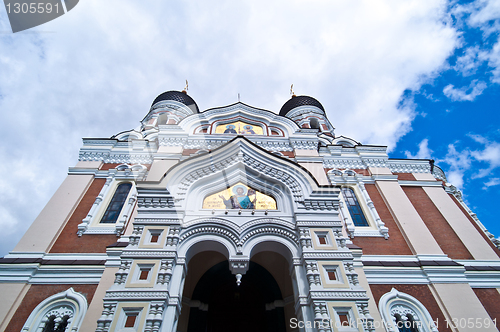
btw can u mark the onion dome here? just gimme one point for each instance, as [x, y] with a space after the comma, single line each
[297, 101]
[181, 97]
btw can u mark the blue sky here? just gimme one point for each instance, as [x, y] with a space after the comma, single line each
[422, 77]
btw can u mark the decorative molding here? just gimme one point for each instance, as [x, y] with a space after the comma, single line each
[395, 302]
[127, 295]
[275, 173]
[68, 306]
[335, 295]
[172, 141]
[115, 158]
[338, 163]
[451, 189]
[305, 144]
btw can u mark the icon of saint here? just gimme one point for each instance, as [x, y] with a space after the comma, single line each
[240, 199]
[230, 130]
[248, 130]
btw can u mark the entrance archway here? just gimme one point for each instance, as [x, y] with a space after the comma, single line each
[224, 306]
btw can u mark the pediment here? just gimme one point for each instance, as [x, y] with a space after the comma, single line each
[240, 159]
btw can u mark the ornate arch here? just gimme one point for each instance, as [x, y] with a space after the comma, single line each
[400, 309]
[66, 307]
[240, 159]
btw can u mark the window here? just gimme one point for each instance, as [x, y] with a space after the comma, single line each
[60, 312]
[404, 313]
[332, 273]
[115, 206]
[131, 318]
[344, 318]
[354, 208]
[154, 238]
[314, 123]
[144, 274]
[322, 239]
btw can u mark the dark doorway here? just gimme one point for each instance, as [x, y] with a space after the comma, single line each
[236, 308]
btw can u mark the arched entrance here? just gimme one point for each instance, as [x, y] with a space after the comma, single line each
[224, 306]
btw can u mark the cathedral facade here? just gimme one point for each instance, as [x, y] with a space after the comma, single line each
[241, 219]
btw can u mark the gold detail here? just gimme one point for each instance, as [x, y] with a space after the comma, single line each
[239, 197]
[239, 128]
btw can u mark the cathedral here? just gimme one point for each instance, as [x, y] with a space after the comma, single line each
[237, 218]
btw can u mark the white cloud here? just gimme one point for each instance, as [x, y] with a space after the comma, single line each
[95, 71]
[466, 93]
[472, 160]
[485, 15]
[489, 155]
[423, 151]
[459, 161]
[468, 63]
[491, 182]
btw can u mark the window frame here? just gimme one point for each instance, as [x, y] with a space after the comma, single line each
[69, 298]
[389, 301]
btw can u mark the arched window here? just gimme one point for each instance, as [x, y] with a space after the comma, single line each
[354, 208]
[404, 313]
[116, 204]
[62, 312]
[314, 123]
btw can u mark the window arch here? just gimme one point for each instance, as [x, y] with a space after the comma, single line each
[314, 123]
[60, 312]
[404, 313]
[357, 215]
[115, 206]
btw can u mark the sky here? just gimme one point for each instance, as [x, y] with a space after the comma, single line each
[422, 77]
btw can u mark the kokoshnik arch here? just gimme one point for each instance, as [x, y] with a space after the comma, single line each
[241, 219]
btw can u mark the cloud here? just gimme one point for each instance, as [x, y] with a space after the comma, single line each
[95, 71]
[459, 162]
[468, 63]
[465, 93]
[472, 161]
[484, 15]
[489, 155]
[423, 151]
[492, 182]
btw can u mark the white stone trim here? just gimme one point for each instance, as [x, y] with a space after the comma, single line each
[401, 303]
[91, 223]
[350, 179]
[65, 303]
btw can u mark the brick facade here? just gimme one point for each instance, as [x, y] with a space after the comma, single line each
[38, 293]
[396, 244]
[476, 226]
[421, 293]
[490, 299]
[446, 238]
[69, 242]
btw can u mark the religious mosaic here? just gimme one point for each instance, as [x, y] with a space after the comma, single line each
[238, 197]
[239, 128]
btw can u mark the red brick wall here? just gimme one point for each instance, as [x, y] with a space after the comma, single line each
[405, 176]
[69, 242]
[359, 171]
[290, 154]
[38, 293]
[106, 167]
[188, 152]
[490, 298]
[396, 244]
[421, 293]
[445, 236]
[476, 225]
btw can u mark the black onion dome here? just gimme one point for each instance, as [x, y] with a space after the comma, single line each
[180, 97]
[300, 101]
